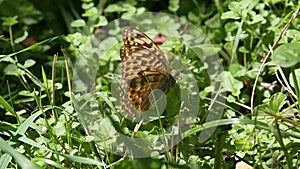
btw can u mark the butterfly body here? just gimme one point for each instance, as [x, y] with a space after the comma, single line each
[144, 70]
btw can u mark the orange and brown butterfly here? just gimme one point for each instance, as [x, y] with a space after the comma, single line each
[144, 69]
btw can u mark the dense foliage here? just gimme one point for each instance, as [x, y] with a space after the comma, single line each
[47, 46]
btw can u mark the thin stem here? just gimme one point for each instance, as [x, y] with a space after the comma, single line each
[283, 31]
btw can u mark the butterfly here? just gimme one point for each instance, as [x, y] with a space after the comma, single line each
[144, 70]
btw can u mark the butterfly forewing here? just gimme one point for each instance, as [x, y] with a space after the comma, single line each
[144, 69]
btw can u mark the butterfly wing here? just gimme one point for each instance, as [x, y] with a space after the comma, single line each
[144, 69]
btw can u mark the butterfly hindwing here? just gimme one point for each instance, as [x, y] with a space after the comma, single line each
[144, 69]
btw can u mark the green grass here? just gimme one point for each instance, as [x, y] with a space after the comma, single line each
[235, 99]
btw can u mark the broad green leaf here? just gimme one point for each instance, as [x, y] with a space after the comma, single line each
[237, 70]
[59, 129]
[193, 17]
[78, 23]
[28, 63]
[131, 9]
[214, 22]
[229, 83]
[101, 21]
[9, 21]
[287, 55]
[86, 6]
[230, 15]
[113, 8]
[235, 6]
[140, 10]
[173, 5]
[257, 19]
[276, 102]
[231, 26]
[90, 12]
[231, 99]
[12, 69]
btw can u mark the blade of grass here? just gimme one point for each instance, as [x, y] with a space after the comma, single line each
[49, 162]
[8, 108]
[78, 159]
[19, 158]
[236, 42]
[28, 122]
[29, 48]
[5, 159]
[222, 122]
[278, 137]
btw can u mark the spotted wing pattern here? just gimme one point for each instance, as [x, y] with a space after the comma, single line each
[144, 69]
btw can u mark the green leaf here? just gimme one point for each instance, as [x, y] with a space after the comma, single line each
[235, 6]
[28, 122]
[276, 102]
[86, 6]
[103, 95]
[231, 99]
[83, 160]
[257, 19]
[28, 93]
[78, 23]
[230, 84]
[214, 22]
[287, 55]
[206, 49]
[18, 158]
[193, 17]
[59, 129]
[36, 45]
[50, 163]
[230, 15]
[297, 73]
[91, 12]
[294, 34]
[101, 21]
[129, 8]
[173, 5]
[45, 81]
[237, 70]
[5, 160]
[231, 26]
[113, 8]
[222, 122]
[12, 69]
[23, 37]
[9, 21]
[28, 63]
[6, 106]
[173, 102]
[33, 143]
[206, 91]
